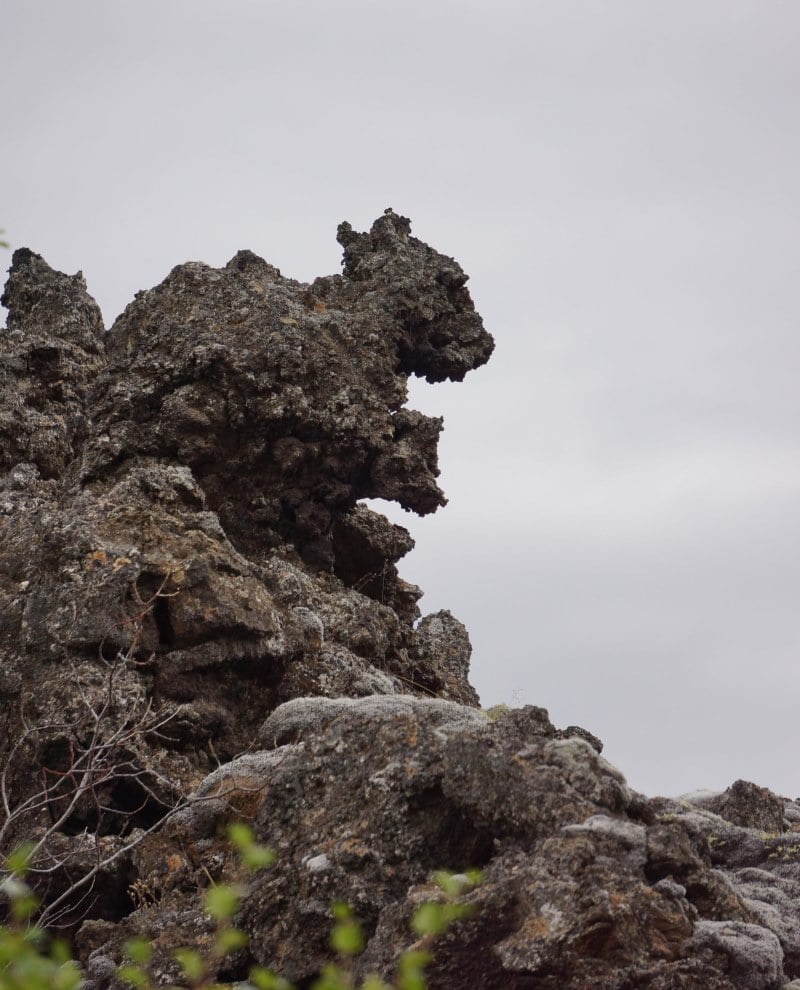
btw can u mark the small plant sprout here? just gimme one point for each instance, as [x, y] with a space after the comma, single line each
[252, 855]
[221, 903]
[139, 951]
[429, 921]
[347, 938]
[433, 918]
[29, 958]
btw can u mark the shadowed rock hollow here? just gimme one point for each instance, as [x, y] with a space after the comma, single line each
[200, 621]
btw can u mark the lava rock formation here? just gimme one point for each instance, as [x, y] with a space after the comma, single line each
[201, 621]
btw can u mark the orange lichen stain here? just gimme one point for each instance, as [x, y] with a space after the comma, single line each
[120, 562]
[412, 734]
[320, 307]
[174, 862]
[355, 847]
[97, 558]
[536, 927]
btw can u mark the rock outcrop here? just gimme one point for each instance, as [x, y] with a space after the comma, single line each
[201, 621]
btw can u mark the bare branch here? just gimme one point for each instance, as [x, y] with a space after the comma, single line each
[91, 764]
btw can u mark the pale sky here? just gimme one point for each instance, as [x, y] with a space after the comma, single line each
[620, 179]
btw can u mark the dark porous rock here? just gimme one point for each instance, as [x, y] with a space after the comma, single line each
[440, 657]
[179, 501]
[201, 622]
[287, 401]
[751, 806]
[183, 544]
[753, 955]
[50, 353]
[757, 871]
[364, 798]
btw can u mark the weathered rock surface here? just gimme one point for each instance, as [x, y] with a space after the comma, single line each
[200, 622]
[53, 348]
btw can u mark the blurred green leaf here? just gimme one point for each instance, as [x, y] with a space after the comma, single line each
[456, 884]
[191, 962]
[410, 968]
[23, 907]
[134, 976]
[265, 979]
[341, 911]
[11, 945]
[374, 982]
[229, 940]
[252, 855]
[331, 978]
[346, 935]
[434, 919]
[59, 951]
[475, 877]
[222, 901]
[139, 950]
[257, 857]
[241, 835]
[412, 980]
[347, 938]
[66, 977]
[19, 860]
[414, 959]
[429, 919]
[448, 882]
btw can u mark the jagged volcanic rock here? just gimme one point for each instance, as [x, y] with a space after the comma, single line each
[201, 621]
[216, 445]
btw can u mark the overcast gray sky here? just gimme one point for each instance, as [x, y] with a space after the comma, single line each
[620, 178]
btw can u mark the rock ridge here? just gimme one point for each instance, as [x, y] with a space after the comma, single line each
[201, 621]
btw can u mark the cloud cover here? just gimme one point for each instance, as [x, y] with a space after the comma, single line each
[620, 181]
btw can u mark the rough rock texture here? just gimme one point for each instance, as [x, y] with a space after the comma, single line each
[200, 622]
[53, 348]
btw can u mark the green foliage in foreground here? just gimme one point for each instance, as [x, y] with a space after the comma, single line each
[31, 960]
[3, 243]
